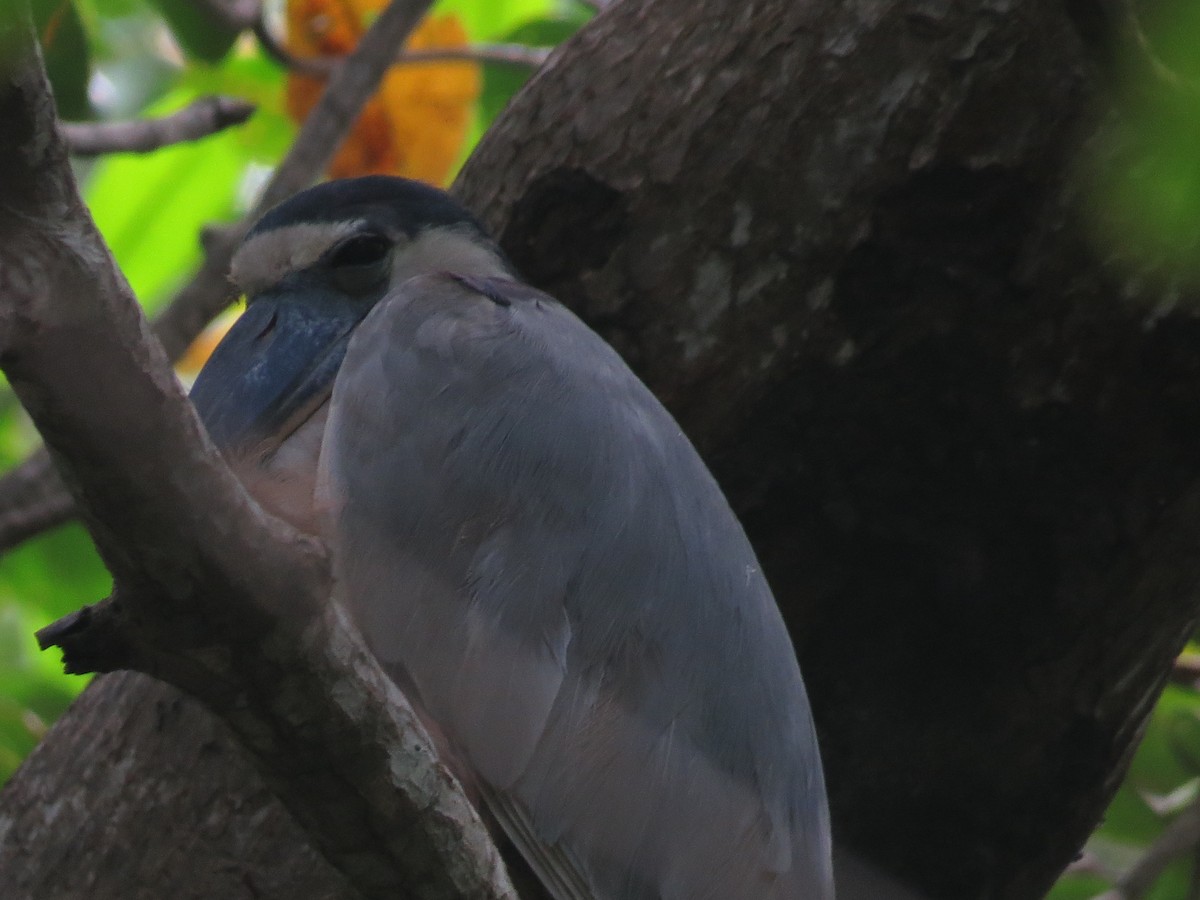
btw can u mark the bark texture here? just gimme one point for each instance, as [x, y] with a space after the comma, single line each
[211, 594]
[105, 821]
[846, 250]
[842, 241]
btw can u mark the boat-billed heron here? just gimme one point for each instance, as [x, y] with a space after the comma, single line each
[530, 546]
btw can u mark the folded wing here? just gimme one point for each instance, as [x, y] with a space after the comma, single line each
[529, 542]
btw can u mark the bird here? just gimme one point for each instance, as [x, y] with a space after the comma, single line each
[530, 546]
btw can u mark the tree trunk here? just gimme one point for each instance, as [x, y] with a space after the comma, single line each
[849, 258]
[140, 794]
[842, 241]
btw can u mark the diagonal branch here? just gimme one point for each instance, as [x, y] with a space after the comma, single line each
[31, 498]
[521, 55]
[1181, 836]
[350, 87]
[324, 66]
[235, 15]
[211, 594]
[1140, 50]
[198, 119]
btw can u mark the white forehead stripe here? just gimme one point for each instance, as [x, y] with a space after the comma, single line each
[265, 258]
[448, 249]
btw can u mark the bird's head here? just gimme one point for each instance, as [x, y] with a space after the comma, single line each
[311, 270]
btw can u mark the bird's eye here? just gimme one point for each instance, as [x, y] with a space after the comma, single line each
[360, 250]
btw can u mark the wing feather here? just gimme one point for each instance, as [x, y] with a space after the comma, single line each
[562, 874]
[522, 528]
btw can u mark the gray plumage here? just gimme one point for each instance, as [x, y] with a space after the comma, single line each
[540, 549]
[537, 554]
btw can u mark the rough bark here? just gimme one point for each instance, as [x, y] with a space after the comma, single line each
[842, 241]
[145, 755]
[211, 594]
[962, 445]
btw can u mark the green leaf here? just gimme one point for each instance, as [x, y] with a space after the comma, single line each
[200, 33]
[487, 20]
[17, 434]
[54, 574]
[1165, 764]
[1174, 883]
[1146, 171]
[501, 82]
[67, 55]
[254, 77]
[151, 208]
[1078, 887]
[1157, 769]
[114, 9]
[40, 581]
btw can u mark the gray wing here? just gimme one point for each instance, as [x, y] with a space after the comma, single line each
[528, 540]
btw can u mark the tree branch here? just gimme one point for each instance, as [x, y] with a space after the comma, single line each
[324, 66]
[235, 15]
[198, 119]
[1140, 50]
[505, 54]
[1182, 835]
[32, 500]
[211, 594]
[349, 88]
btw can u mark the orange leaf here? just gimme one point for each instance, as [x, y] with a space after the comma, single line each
[416, 124]
[193, 360]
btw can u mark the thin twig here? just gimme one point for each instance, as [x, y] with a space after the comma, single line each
[505, 54]
[1186, 670]
[198, 119]
[32, 500]
[36, 499]
[235, 15]
[275, 49]
[349, 88]
[520, 55]
[1129, 28]
[1181, 836]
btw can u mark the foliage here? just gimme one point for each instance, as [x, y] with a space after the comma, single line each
[1144, 177]
[1163, 779]
[1146, 169]
[420, 117]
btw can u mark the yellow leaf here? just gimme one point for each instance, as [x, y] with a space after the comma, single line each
[416, 124]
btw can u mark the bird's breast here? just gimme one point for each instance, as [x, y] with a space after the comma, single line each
[283, 480]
